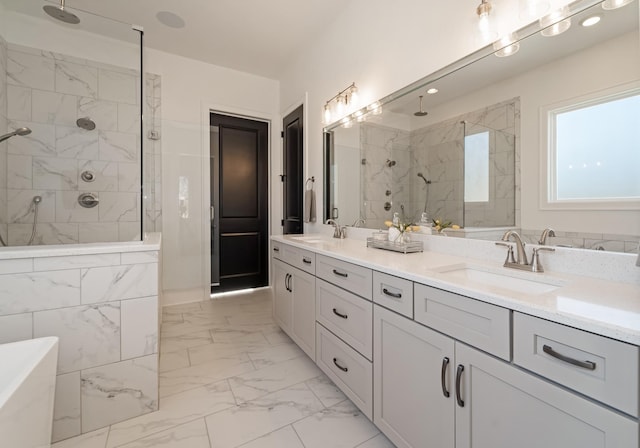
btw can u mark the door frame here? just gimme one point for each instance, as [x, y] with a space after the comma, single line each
[273, 126]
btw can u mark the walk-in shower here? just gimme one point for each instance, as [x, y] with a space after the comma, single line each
[72, 96]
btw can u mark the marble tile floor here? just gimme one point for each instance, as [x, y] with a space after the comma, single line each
[229, 377]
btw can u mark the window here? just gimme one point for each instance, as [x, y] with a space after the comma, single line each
[594, 152]
[476, 167]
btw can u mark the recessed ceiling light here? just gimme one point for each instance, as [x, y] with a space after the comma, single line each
[170, 19]
[590, 21]
[432, 90]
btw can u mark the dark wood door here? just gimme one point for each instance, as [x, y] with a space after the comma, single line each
[241, 178]
[293, 188]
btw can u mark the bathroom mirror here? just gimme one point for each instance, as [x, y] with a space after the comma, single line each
[456, 153]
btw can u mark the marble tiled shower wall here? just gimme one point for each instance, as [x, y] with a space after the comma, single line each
[152, 157]
[47, 92]
[104, 309]
[381, 183]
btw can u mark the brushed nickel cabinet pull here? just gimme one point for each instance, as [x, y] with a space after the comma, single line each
[458, 381]
[306, 260]
[589, 365]
[344, 316]
[395, 295]
[340, 274]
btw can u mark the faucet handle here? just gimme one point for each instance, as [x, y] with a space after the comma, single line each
[343, 232]
[510, 257]
[536, 266]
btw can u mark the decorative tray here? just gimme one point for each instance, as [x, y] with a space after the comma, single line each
[406, 248]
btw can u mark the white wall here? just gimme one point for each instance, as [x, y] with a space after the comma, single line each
[383, 47]
[189, 90]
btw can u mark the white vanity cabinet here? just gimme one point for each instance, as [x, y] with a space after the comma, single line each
[294, 304]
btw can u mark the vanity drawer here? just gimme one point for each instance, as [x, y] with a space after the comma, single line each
[474, 322]
[599, 367]
[349, 370]
[348, 316]
[393, 293]
[300, 258]
[351, 277]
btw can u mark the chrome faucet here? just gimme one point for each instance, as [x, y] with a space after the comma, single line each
[521, 255]
[545, 234]
[520, 260]
[338, 232]
[358, 222]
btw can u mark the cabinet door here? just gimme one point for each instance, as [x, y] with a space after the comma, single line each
[505, 407]
[410, 405]
[282, 297]
[303, 325]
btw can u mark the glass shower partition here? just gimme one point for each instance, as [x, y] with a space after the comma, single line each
[77, 177]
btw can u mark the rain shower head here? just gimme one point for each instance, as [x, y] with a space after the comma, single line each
[86, 123]
[420, 113]
[20, 131]
[389, 163]
[59, 13]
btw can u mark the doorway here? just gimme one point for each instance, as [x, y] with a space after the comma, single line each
[293, 150]
[239, 170]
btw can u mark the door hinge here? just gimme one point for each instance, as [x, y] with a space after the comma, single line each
[282, 176]
[282, 222]
[281, 134]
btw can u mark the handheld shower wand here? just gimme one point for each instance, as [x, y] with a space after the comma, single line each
[427, 182]
[20, 131]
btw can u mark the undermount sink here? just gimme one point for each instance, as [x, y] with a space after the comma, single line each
[312, 239]
[500, 278]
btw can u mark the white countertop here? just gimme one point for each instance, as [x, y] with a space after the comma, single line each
[151, 242]
[603, 307]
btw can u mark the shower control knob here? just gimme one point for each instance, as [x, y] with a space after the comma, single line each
[87, 176]
[88, 200]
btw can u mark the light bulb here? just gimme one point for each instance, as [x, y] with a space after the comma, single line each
[615, 4]
[347, 122]
[340, 106]
[507, 45]
[327, 114]
[360, 116]
[590, 21]
[375, 108]
[354, 97]
[556, 22]
[533, 9]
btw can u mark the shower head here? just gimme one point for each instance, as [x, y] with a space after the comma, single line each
[426, 181]
[86, 123]
[389, 163]
[20, 131]
[59, 13]
[420, 113]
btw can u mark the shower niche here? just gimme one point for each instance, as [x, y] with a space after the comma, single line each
[73, 80]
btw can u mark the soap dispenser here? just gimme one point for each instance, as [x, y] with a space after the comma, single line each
[425, 224]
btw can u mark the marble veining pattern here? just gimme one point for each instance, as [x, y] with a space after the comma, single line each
[288, 402]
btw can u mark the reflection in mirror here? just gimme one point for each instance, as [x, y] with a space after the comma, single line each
[457, 151]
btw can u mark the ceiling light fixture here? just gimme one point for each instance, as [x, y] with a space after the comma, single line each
[615, 4]
[432, 90]
[343, 103]
[484, 11]
[555, 23]
[507, 45]
[590, 21]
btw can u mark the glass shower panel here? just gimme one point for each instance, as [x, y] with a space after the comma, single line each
[77, 176]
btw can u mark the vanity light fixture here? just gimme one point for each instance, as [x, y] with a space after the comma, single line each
[346, 122]
[359, 116]
[555, 23]
[342, 103]
[507, 45]
[615, 4]
[533, 9]
[591, 20]
[375, 108]
[432, 90]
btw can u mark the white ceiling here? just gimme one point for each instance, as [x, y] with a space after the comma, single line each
[254, 36]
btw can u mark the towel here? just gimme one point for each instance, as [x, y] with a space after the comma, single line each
[309, 206]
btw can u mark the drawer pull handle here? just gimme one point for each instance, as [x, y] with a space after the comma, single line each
[443, 374]
[590, 365]
[276, 249]
[458, 381]
[344, 369]
[287, 282]
[395, 295]
[344, 316]
[306, 260]
[340, 274]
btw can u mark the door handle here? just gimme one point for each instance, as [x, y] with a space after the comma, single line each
[458, 381]
[212, 213]
[443, 375]
[287, 282]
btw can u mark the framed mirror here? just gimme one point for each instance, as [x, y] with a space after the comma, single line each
[459, 143]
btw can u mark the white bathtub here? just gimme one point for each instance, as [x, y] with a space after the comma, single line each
[27, 389]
